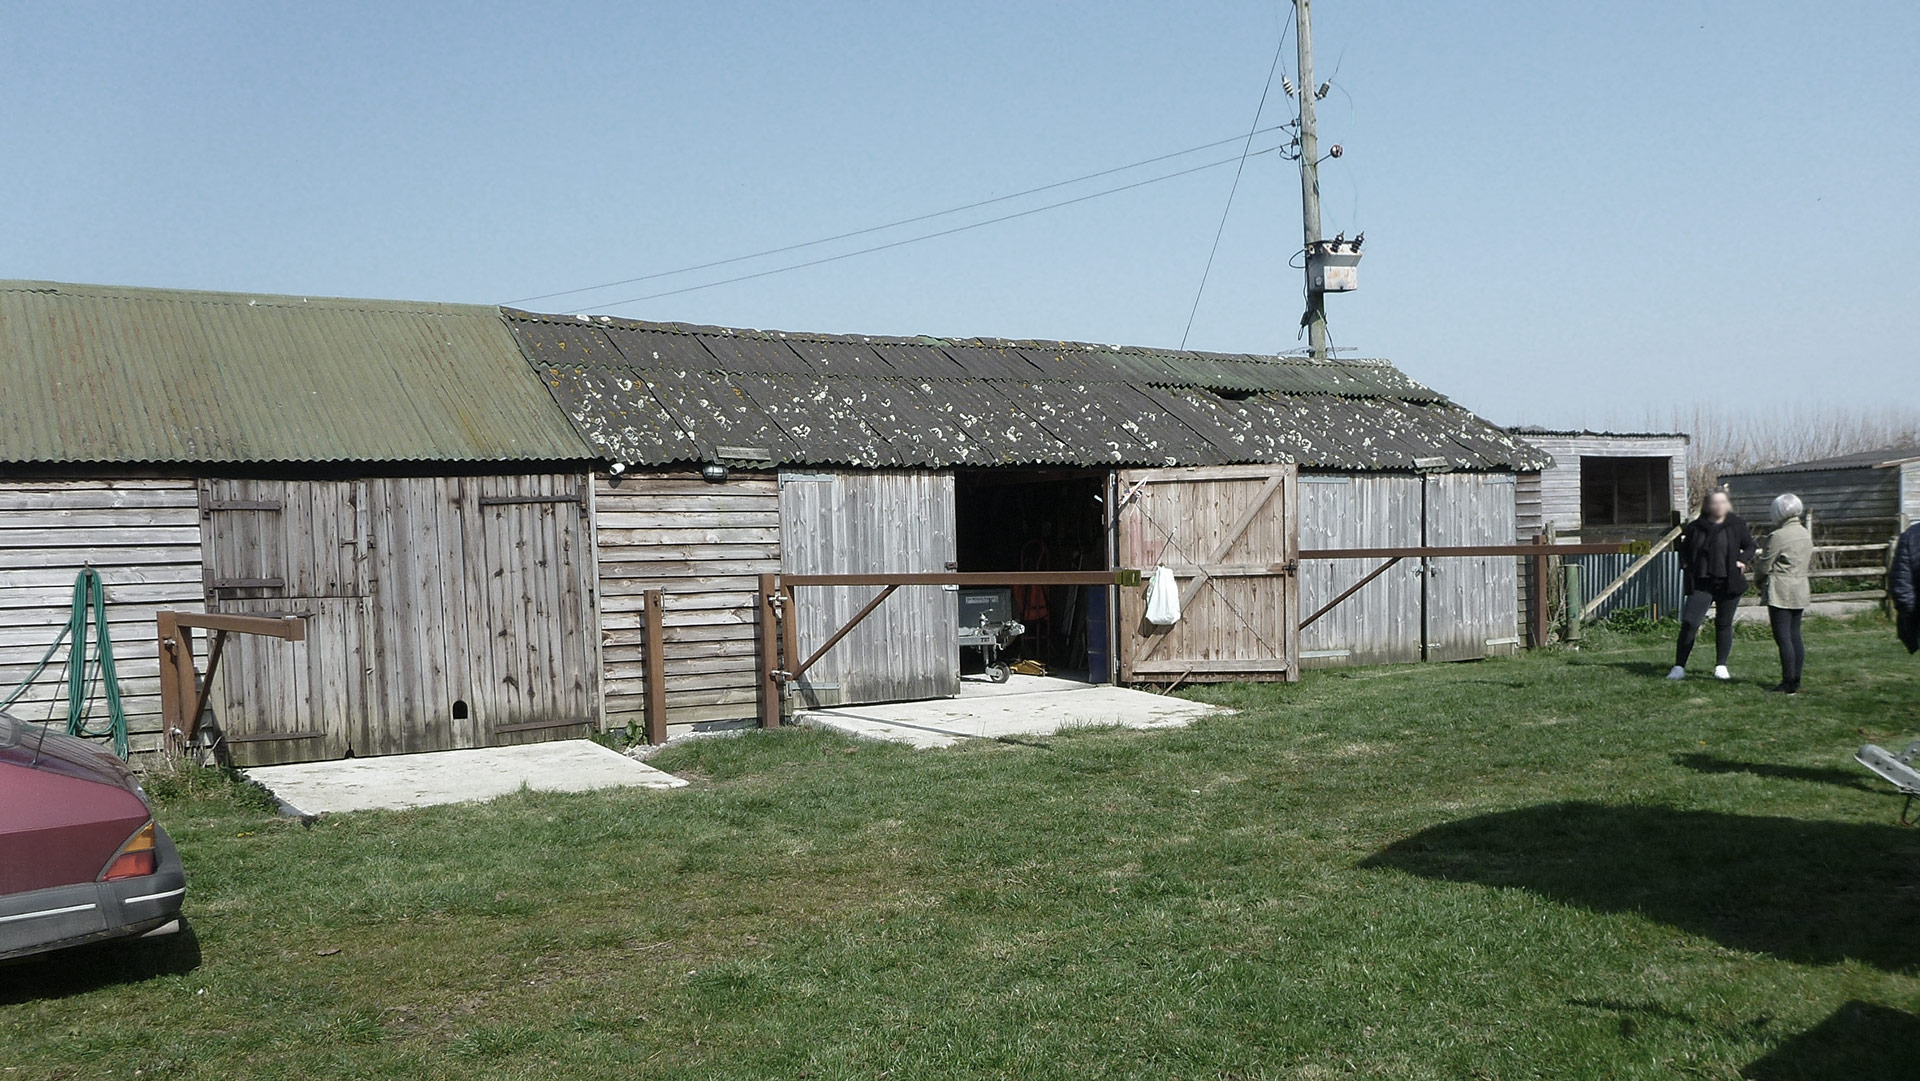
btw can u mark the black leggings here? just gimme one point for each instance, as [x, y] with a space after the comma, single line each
[1786, 635]
[1695, 613]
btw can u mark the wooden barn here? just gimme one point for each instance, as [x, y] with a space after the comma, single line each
[1864, 497]
[733, 453]
[392, 472]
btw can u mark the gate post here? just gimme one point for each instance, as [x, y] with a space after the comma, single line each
[772, 687]
[656, 670]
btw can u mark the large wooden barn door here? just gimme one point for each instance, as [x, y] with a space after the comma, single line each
[1230, 536]
[442, 612]
[872, 523]
[274, 547]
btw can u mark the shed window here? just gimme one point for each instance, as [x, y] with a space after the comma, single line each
[1625, 491]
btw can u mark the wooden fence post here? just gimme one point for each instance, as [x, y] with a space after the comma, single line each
[656, 666]
[771, 686]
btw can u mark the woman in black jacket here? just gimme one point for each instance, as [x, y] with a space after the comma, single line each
[1715, 551]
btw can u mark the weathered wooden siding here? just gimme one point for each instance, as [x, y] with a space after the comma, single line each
[873, 522]
[703, 545]
[1560, 484]
[1860, 504]
[1529, 522]
[1909, 494]
[442, 612]
[1473, 608]
[143, 536]
[1381, 623]
[1222, 530]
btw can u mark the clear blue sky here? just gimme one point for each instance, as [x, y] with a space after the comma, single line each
[1573, 211]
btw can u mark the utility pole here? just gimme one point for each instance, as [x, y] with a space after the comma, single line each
[1315, 319]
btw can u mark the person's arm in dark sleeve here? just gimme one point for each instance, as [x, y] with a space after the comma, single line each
[1900, 582]
[1748, 553]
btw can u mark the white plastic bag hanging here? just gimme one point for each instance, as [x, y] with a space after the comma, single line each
[1163, 598]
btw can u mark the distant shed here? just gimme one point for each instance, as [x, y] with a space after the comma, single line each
[1865, 497]
[390, 471]
[1605, 485]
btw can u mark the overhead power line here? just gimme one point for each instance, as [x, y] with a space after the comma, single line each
[896, 224]
[1252, 130]
[946, 232]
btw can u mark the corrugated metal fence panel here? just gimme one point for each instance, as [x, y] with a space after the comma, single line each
[870, 523]
[704, 545]
[143, 536]
[1657, 585]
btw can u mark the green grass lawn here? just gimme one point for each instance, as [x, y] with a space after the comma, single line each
[1560, 865]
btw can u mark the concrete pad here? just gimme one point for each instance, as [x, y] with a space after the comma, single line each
[945, 722]
[436, 777]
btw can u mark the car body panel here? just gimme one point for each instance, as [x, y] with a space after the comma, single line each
[66, 808]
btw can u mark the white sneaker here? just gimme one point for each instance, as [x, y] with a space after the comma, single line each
[1720, 672]
[1677, 673]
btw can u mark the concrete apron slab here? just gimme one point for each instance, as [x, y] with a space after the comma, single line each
[945, 722]
[436, 777]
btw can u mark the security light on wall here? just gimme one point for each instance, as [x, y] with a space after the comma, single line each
[714, 473]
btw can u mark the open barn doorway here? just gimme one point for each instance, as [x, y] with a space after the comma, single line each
[1040, 520]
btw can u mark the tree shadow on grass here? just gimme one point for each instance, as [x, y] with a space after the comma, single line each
[1857, 1041]
[81, 969]
[1806, 891]
[1844, 778]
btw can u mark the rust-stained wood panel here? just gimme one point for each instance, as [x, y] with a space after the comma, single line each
[1223, 531]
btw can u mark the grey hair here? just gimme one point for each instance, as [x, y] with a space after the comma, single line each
[1786, 506]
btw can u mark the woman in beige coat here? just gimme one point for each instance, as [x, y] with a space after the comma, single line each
[1784, 587]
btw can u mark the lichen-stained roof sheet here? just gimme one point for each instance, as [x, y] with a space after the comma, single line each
[874, 401]
[117, 375]
[618, 413]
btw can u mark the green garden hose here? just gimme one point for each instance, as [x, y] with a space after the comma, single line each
[89, 601]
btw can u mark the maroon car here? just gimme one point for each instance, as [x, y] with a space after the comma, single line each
[81, 858]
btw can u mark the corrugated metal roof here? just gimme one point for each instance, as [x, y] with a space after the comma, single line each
[101, 374]
[923, 402]
[1866, 459]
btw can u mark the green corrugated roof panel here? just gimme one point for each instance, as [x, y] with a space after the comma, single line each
[110, 374]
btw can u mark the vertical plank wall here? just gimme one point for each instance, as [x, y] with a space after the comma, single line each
[1472, 606]
[872, 522]
[1381, 623]
[143, 536]
[1909, 494]
[705, 545]
[442, 612]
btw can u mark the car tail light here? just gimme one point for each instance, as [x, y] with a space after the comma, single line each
[135, 858]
